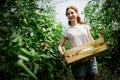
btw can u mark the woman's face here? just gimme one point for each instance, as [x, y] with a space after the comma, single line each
[72, 15]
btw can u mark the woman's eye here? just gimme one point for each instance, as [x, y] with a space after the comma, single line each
[72, 12]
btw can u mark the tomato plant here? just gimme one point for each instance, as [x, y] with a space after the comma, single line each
[29, 36]
[103, 16]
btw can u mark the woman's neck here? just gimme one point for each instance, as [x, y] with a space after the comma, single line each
[75, 23]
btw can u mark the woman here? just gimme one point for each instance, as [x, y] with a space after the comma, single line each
[78, 34]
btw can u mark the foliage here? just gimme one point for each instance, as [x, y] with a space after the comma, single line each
[103, 16]
[29, 36]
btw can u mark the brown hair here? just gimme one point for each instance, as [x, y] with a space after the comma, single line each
[76, 10]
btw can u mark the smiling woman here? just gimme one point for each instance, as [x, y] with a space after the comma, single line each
[77, 34]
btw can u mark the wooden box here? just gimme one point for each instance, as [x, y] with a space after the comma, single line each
[86, 51]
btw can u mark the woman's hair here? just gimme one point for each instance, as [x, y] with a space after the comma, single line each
[76, 10]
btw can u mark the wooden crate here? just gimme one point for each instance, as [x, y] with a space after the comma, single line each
[86, 51]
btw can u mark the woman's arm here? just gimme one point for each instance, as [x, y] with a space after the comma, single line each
[62, 42]
[90, 36]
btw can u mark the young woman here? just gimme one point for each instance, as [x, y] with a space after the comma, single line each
[78, 34]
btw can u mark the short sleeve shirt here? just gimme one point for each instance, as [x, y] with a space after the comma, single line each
[77, 35]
